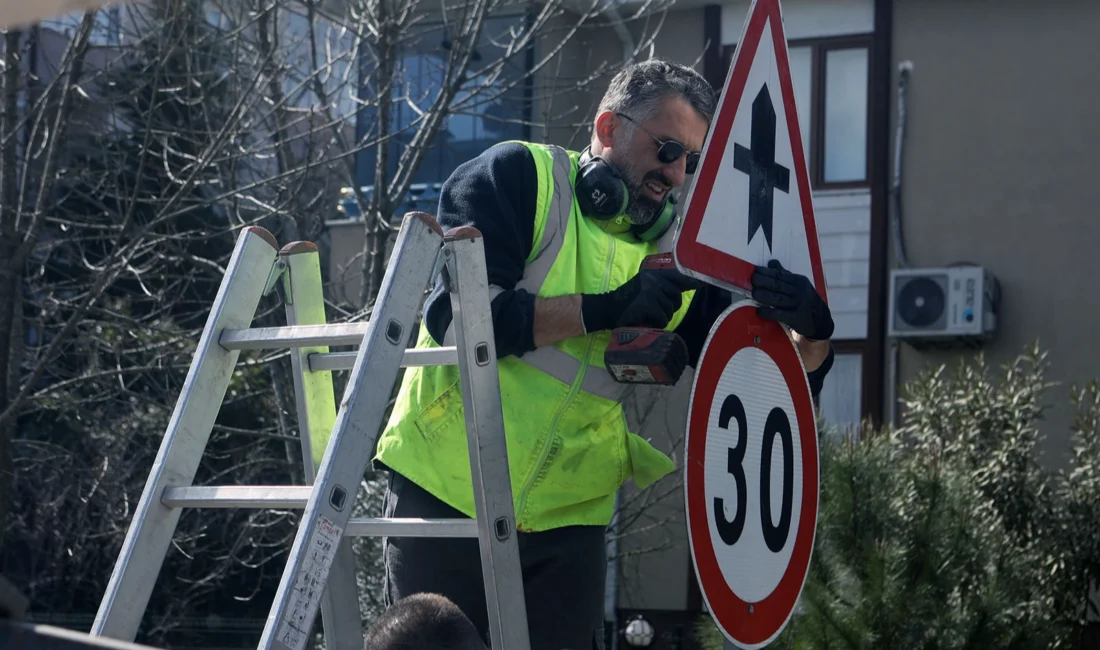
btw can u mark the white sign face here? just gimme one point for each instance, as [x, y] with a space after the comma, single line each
[752, 201]
[753, 474]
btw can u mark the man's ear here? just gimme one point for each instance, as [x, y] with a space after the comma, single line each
[606, 123]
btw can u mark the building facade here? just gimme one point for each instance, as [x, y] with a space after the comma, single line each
[993, 173]
[837, 51]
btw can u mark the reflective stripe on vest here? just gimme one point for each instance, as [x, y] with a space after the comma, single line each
[549, 359]
[558, 364]
[557, 220]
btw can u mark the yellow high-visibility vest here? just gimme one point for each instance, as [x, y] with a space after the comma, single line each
[569, 446]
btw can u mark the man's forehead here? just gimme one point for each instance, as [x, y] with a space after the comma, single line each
[677, 120]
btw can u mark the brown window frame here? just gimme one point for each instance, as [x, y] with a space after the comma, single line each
[819, 48]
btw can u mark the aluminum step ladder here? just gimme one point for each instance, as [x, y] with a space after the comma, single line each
[320, 570]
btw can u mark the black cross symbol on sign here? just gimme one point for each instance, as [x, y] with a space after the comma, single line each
[765, 176]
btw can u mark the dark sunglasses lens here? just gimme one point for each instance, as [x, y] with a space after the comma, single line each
[670, 152]
[692, 162]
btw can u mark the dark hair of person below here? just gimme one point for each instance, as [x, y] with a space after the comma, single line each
[423, 622]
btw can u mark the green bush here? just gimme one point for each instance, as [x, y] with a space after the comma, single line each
[947, 532]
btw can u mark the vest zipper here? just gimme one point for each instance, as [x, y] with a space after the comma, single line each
[578, 381]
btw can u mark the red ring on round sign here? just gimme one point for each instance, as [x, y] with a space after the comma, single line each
[737, 329]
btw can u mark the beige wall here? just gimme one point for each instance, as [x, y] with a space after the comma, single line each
[1000, 170]
[345, 262]
[569, 88]
[655, 554]
[565, 92]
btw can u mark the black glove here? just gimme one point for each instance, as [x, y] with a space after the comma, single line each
[648, 299]
[792, 300]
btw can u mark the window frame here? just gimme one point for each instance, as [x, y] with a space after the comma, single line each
[819, 49]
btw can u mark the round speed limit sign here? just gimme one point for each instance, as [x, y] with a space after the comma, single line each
[751, 476]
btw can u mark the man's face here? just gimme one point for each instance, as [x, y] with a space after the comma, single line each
[648, 178]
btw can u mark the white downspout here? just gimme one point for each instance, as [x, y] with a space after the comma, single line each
[905, 68]
[611, 12]
[624, 33]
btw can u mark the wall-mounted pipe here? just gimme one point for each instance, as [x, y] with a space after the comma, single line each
[624, 34]
[610, 10]
[904, 69]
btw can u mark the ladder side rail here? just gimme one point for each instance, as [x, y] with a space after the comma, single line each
[488, 449]
[362, 409]
[154, 524]
[315, 402]
[314, 396]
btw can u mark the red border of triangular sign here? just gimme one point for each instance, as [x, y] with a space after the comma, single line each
[696, 256]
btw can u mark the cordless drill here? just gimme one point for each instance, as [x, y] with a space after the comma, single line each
[644, 355]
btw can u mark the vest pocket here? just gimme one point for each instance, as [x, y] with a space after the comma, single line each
[441, 413]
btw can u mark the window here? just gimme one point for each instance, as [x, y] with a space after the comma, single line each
[491, 107]
[840, 400]
[831, 79]
[326, 57]
[845, 115]
[106, 30]
[301, 59]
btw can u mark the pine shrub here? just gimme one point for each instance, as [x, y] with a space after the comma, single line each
[948, 533]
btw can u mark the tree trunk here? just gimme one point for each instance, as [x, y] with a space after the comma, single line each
[375, 234]
[10, 267]
[9, 373]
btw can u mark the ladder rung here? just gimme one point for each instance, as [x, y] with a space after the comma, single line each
[302, 336]
[410, 527]
[296, 496]
[293, 336]
[445, 356]
[236, 496]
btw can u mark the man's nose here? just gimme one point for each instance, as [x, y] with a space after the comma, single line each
[676, 171]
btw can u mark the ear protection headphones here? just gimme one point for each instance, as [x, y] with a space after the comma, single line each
[602, 194]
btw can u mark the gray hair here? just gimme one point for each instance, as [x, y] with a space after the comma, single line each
[638, 89]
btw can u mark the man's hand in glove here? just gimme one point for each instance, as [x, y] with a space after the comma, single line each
[792, 300]
[649, 299]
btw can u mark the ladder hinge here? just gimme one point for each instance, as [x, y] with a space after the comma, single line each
[279, 280]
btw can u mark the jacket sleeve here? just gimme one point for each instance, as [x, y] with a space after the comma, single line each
[496, 193]
[707, 305]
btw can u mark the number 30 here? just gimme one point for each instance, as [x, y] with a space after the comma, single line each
[777, 424]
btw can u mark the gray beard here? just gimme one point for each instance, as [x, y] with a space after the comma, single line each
[640, 209]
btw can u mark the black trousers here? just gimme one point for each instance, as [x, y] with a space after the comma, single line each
[563, 572]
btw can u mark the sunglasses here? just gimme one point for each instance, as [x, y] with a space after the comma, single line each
[668, 151]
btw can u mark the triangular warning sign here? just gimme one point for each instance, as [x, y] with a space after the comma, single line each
[751, 200]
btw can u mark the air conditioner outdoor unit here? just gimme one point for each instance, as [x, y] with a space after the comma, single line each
[949, 304]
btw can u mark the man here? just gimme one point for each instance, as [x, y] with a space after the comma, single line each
[565, 234]
[423, 621]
